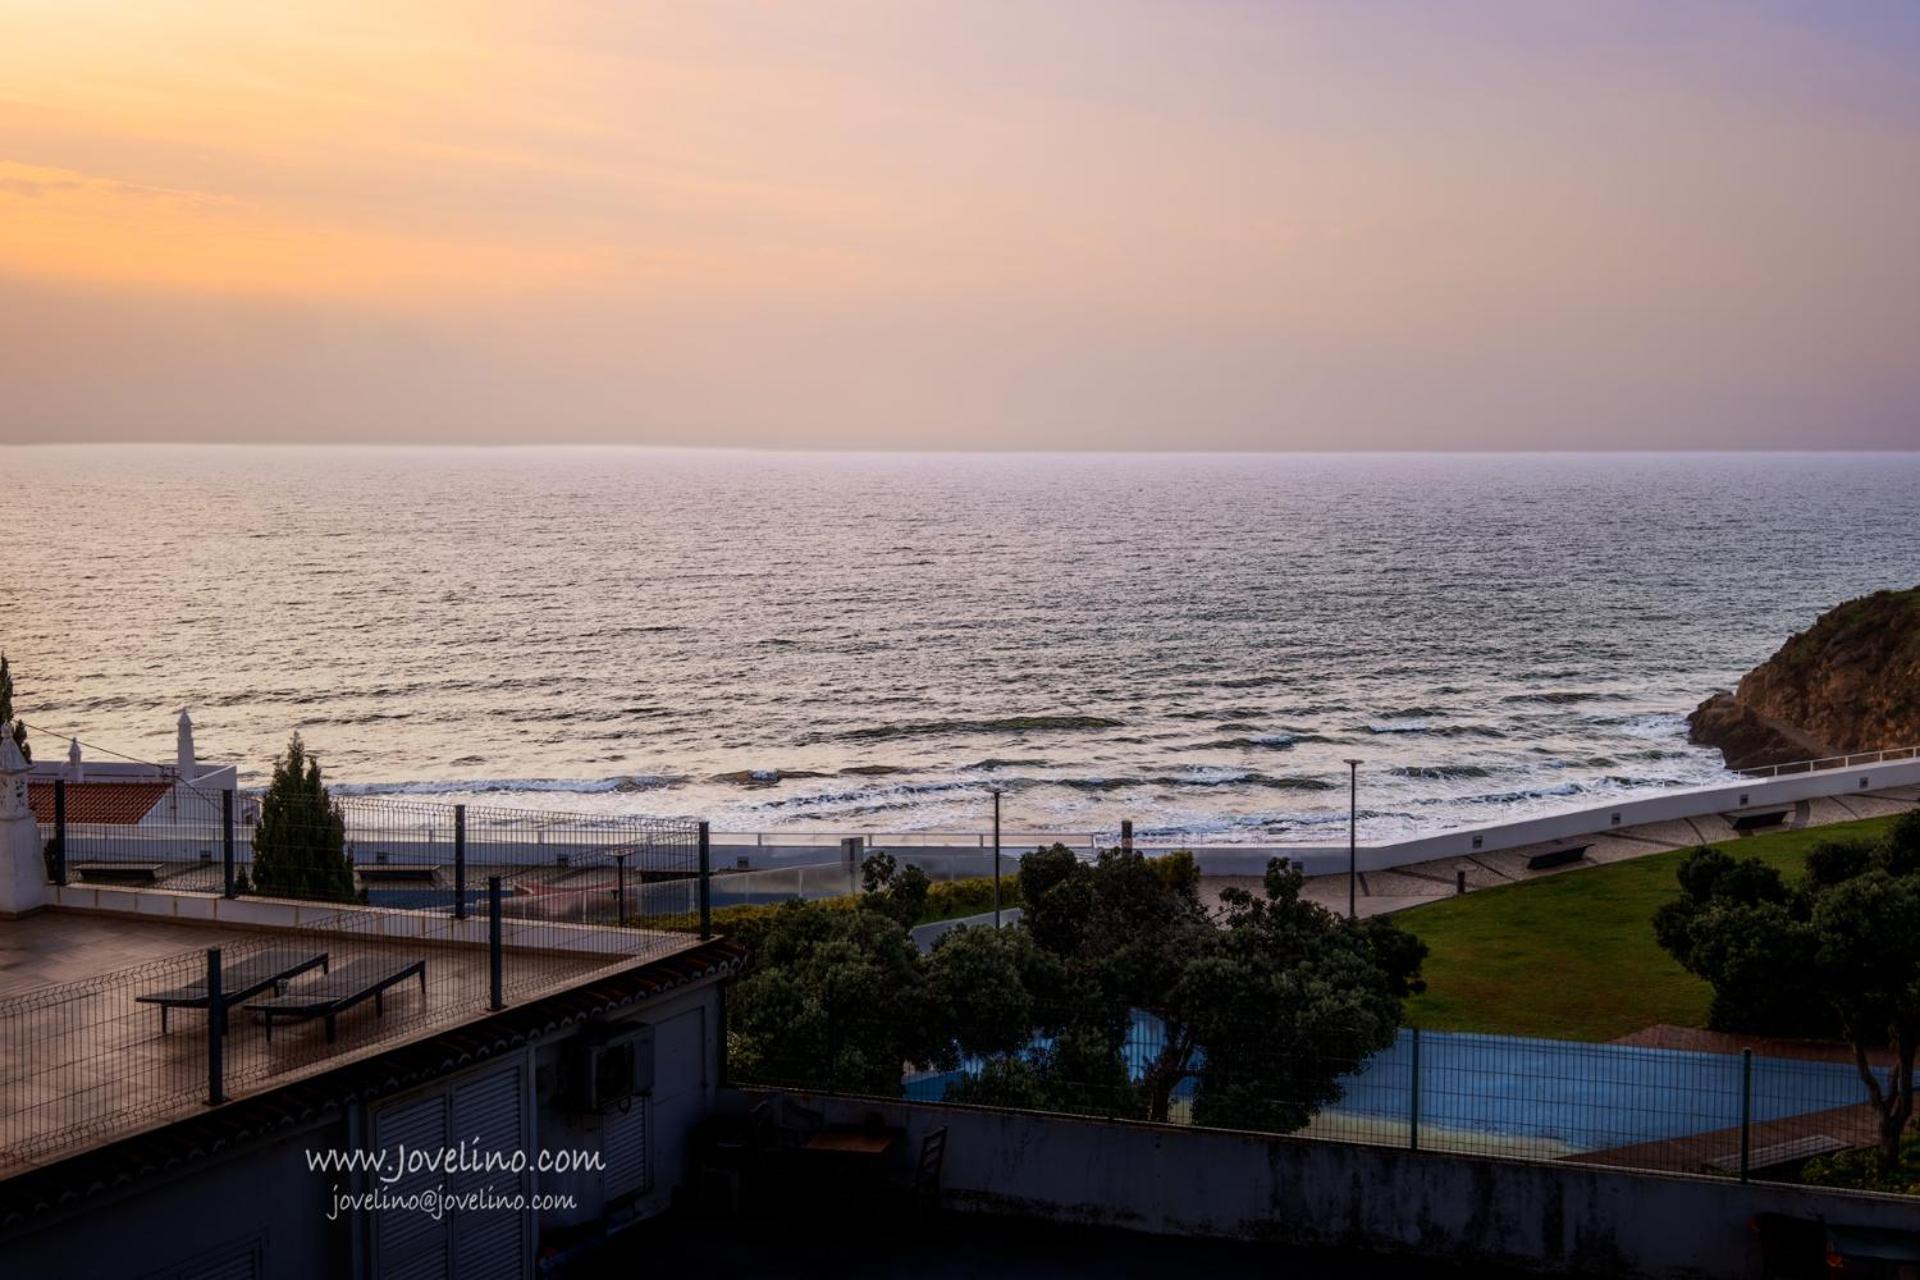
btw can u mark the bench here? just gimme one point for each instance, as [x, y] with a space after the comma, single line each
[238, 981]
[1557, 856]
[119, 872]
[1745, 820]
[1779, 1155]
[363, 979]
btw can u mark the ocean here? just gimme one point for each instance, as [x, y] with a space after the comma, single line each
[828, 642]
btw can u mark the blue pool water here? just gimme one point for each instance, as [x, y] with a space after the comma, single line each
[1584, 1096]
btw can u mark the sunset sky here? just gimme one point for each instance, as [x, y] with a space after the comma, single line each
[979, 223]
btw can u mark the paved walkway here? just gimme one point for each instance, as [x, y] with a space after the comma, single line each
[1791, 1137]
[1379, 892]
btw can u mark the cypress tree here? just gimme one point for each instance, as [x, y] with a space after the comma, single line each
[9, 723]
[299, 844]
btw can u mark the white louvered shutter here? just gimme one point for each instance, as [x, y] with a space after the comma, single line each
[407, 1243]
[623, 1149]
[490, 1115]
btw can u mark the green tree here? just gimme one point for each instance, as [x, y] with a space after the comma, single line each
[10, 723]
[1740, 925]
[1263, 1008]
[1286, 999]
[833, 999]
[1836, 952]
[1115, 989]
[899, 895]
[980, 991]
[299, 844]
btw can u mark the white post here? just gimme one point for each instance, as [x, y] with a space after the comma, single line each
[183, 761]
[23, 863]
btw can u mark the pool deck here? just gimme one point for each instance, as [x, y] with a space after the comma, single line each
[1711, 1152]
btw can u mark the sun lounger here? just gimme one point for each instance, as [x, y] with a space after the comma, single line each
[328, 998]
[238, 981]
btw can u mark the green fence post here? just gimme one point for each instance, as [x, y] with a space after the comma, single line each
[60, 831]
[496, 1000]
[460, 862]
[216, 1031]
[706, 884]
[229, 884]
[1746, 1113]
[1413, 1117]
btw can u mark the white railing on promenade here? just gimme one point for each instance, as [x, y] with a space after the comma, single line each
[908, 839]
[1833, 762]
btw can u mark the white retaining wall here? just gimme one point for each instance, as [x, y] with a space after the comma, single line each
[1322, 859]
[516, 932]
[1693, 802]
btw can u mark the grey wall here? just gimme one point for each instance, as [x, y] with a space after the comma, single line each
[263, 1196]
[1170, 1180]
[686, 1077]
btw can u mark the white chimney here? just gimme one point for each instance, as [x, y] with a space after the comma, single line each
[76, 772]
[23, 868]
[184, 764]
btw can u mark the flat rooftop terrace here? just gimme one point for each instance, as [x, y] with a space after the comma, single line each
[85, 1061]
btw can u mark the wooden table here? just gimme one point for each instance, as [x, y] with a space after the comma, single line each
[840, 1166]
[853, 1140]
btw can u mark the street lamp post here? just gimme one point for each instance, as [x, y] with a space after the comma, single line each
[996, 857]
[1353, 836]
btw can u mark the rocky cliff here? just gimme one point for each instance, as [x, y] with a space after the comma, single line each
[1850, 682]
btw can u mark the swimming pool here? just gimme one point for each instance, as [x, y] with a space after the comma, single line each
[1559, 1095]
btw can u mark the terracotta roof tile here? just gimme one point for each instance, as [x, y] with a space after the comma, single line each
[110, 802]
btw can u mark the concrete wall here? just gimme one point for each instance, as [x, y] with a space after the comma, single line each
[262, 1197]
[1175, 1181]
[518, 933]
[687, 1041]
[1692, 802]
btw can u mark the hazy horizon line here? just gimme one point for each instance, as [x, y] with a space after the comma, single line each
[585, 445]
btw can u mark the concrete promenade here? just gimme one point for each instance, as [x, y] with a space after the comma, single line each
[1396, 888]
[1407, 873]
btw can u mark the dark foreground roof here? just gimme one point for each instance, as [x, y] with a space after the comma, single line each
[168, 1150]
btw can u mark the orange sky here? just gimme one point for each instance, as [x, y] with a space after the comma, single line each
[890, 223]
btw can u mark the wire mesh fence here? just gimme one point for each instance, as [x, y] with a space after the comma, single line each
[357, 923]
[74, 1064]
[378, 851]
[1735, 1115]
[841, 876]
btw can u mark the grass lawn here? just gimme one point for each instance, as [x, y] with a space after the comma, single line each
[1572, 956]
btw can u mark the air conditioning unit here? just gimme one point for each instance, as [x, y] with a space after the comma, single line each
[615, 1064]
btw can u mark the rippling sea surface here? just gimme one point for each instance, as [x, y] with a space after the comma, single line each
[869, 642]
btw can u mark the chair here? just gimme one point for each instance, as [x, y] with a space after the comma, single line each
[733, 1153]
[921, 1183]
[363, 979]
[244, 978]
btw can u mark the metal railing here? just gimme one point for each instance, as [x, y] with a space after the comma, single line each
[428, 916]
[895, 840]
[1852, 761]
[377, 851]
